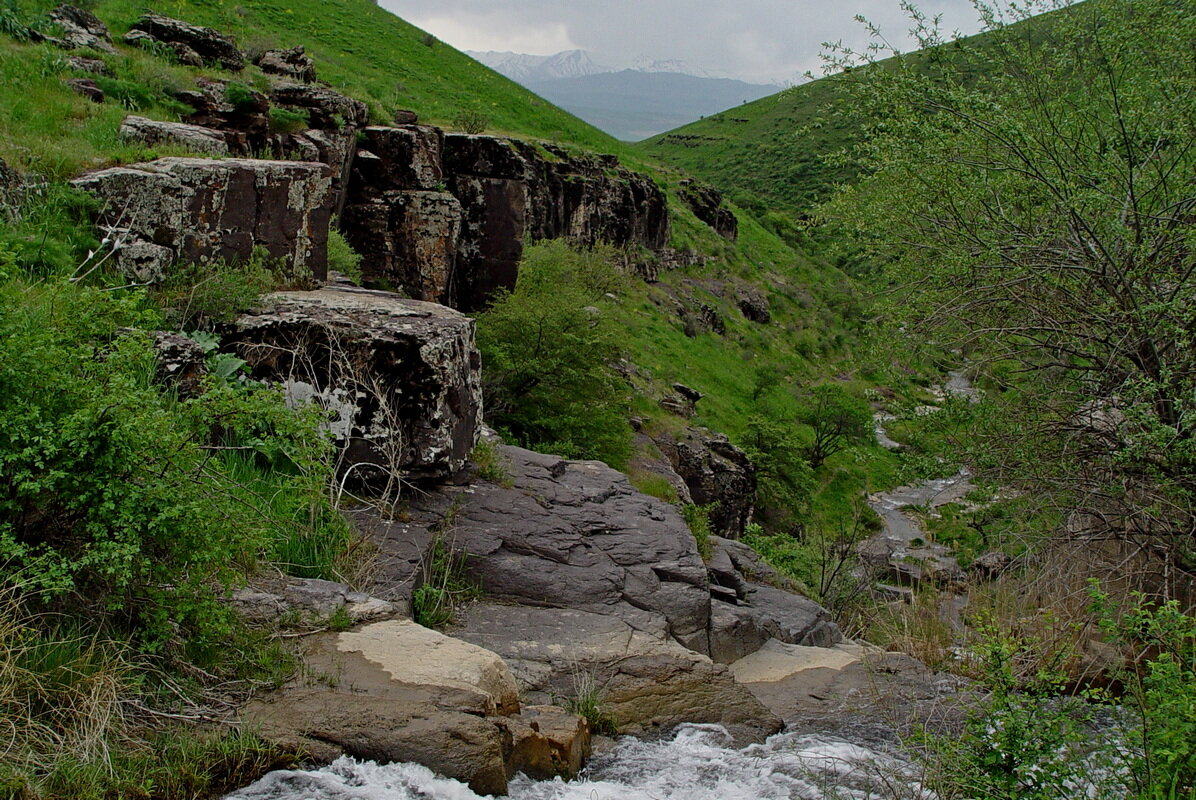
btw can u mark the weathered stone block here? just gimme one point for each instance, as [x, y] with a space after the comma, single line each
[203, 209]
[407, 157]
[408, 240]
[400, 376]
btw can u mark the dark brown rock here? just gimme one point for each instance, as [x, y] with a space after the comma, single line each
[294, 63]
[86, 87]
[717, 473]
[753, 303]
[400, 377]
[407, 157]
[405, 116]
[201, 209]
[407, 240]
[81, 28]
[211, 46]
[707, 204]
[94, 66]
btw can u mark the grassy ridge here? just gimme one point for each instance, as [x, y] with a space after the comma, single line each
[361, 49]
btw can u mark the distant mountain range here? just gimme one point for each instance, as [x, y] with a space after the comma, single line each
[631, 104]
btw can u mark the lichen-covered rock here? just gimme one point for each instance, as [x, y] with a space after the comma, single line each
[407, 239]
[294, 63]
[753, 303]
[81, 28]
[193, 137]
[407, 157]
[204, 209]
[326, 108]
[400, 376]
[182, 363]
[94, 66]
[716, 472]
[707, 204]
[212, 46]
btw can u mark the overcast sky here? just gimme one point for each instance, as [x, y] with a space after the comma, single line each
[771, 41]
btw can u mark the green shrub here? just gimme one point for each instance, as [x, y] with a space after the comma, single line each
[471, 122]
[444, 587]
[285, 120]
[491, 464]
[201, 296]
[240, 96]
[698, 519]
[342, 257]
[549, 379]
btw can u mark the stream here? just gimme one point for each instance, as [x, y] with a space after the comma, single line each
[697, 763]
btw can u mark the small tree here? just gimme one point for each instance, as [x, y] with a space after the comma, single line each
[837, 420]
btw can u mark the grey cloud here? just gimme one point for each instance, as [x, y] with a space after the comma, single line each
[772, 40]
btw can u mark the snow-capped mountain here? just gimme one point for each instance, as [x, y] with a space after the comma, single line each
[524, 68]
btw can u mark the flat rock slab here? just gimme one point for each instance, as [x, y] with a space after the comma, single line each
[648, 684]
[847, 686]
[413, 654]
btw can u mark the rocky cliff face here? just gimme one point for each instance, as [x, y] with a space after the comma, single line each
[193, 209]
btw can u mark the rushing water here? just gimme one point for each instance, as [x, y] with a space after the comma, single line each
[697, 763]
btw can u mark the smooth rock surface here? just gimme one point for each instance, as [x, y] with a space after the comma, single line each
[647, 682]
[413, 654]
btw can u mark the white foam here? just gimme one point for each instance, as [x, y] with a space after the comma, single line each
[698, 763]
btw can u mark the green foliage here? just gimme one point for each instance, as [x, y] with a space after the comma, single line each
[471, 122]
[342, 257]
[549, 377]
[240, 96]
[785, 481]
[201, 296]
[698, 519]
[286, 120]
[653, 485]
[1020, 741]
[444, 587]
[837, 420]
[491, 464]
[1028, 207]
[1162, 690]
[588, 701]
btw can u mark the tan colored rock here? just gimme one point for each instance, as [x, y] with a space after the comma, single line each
[547, 742]
[776, 661]
[413, 654]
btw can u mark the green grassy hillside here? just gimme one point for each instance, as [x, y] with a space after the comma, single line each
[359, 48]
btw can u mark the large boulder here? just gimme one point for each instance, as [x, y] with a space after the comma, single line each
[81, 28]
[570, 534]
[707, 204]
[294, 63]
[400, 377]
[212, 46]
[646, 683]
[194, 209]
[717, 474]
[394, 691]
[407, 240]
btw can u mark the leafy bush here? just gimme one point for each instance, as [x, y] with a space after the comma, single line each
[342, 257]
[285, 120]
[108, 488]
[837, 421]
[201, 296]
[549, 379]
[434, 602]
[698, 519]
[471, 122]
[240, 96]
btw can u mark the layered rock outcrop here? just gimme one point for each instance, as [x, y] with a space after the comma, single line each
[717, 474]
[707, 204]
[194, 209]
[194, 45]
[399, 377]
